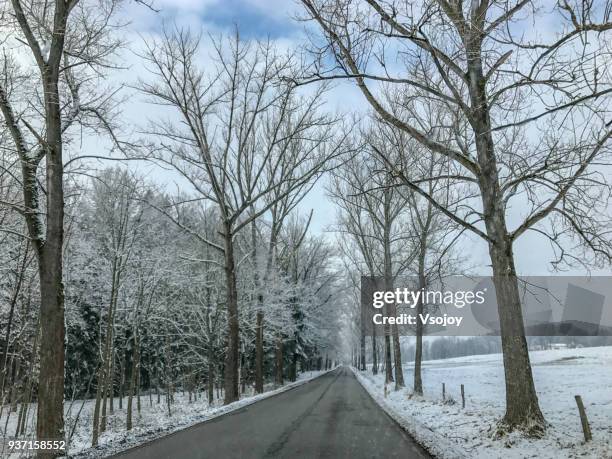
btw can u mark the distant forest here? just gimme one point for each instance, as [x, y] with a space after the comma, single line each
[449, 347]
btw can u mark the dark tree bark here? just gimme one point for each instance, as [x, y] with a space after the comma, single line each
[374, 352]
[259, 352]
[418, 350]
[210, 383]
[391, 308]
[47, 239]
[279, 361]
[522, 407]
[50, 413]
[388, 365]
[233, 339]
[294, 364]
[362, 343]
[133, 382]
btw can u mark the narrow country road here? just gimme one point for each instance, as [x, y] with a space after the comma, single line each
[329, 417]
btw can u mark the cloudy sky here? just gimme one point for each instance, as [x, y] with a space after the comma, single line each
[255, 19]
[274, 19]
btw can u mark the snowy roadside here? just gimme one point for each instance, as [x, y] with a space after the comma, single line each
[149, 428]
[448, 431]
[434, 442]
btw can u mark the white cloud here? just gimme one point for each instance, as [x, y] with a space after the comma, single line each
[184, 5]
[276, 8]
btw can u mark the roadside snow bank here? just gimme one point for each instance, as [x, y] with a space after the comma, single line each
[448, 431]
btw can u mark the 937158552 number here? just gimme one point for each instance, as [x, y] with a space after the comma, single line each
[25, 445]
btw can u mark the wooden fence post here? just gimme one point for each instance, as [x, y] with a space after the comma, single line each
[443, 392]
[586, 429]
[462, 396]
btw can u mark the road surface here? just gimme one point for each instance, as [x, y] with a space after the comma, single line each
[329, 417]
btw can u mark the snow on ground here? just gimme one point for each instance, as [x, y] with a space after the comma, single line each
[153, 421]
[449, 431]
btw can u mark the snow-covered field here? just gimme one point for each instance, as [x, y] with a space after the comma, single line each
[152, 422]
[449, 431]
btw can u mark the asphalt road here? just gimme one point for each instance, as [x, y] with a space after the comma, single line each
[329, 417]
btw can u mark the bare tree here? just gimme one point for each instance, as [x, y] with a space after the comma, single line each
[359, 244]
[372, 215]
[432, 234]
[67, 42]
[528, 118]
[284, 199]
[148, 275]
[117, 216]
[304, 261]
[246, 140]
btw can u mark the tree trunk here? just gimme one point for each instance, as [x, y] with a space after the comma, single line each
[374, 352]
[362, 343]
[168, 397]
[242, 373]
[397, 357]
[132, 389]
[259, 351]
[522, 407]
[108, 344]
[96, 415]
[293, 367]
[279, 361]
[48, 241]
[104, 401]
[138, 404]
[211, 375]
[233, 338]
[50, 413]
[111, 380]
[418, 351]
[391, 308]
[122, 381]
[168, 375]
[14, 395]
[388, 367]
